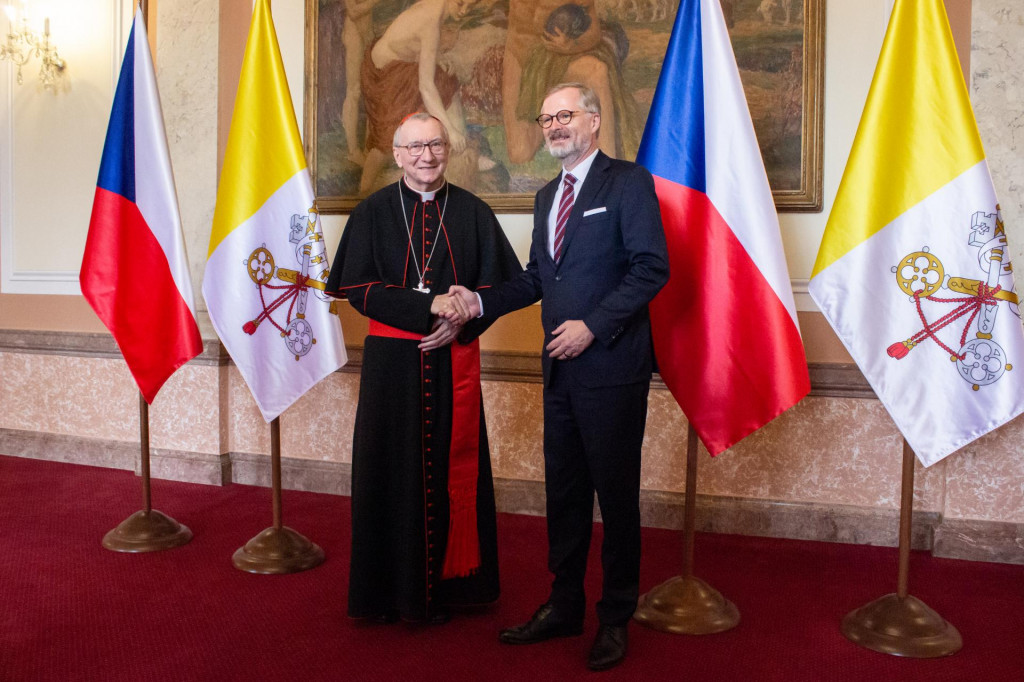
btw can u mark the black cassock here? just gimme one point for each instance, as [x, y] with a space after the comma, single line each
[403, 428]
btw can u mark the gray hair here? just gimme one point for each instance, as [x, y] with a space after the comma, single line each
[418, 116]
[588, 98]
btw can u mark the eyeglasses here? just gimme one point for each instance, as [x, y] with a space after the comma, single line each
[564, 117]
[437, 147]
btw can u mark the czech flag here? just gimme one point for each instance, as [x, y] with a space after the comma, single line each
[135, 272]
[725, 326]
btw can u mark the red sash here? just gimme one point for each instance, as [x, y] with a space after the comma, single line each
[462, 556]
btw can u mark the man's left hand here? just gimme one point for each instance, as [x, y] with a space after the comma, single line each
[444, 333]
[571, 338]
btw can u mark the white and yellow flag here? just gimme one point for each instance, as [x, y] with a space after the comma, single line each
[913, 271]
[267, 266]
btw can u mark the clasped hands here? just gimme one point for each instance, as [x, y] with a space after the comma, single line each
[460, 305]
[450, 314]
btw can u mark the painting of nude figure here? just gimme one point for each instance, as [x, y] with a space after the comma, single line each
[483, 66]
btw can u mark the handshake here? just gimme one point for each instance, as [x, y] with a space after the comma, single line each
[451, 312]
[460, 305]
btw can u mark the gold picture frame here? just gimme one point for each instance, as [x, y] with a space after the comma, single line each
[486, 51]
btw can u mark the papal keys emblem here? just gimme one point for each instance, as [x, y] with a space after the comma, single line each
[980, 361]
[288, 298]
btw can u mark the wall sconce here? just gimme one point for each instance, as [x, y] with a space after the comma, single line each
[23, 43]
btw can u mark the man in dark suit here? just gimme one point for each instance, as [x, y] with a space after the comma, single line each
[598, 257]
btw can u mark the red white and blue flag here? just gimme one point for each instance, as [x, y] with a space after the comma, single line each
[725, 326]
[135, 271]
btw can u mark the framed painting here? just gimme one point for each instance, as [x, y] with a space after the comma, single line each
[482, 67]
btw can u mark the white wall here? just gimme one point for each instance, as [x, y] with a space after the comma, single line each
[51, 144]
[853, 39]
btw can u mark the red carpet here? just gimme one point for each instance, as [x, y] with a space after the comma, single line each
[71, 610]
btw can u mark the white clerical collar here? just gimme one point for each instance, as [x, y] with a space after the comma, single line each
[424, 196]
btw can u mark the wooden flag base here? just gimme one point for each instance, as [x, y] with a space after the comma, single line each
[687, 606]
[902, 627]
[901, 624]
[278, 550]
[147, 531]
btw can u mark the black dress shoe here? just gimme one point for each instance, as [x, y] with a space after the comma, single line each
[609, 647]
[545, 624]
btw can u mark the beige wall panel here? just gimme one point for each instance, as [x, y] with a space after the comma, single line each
[97, 398]
[986, 478]
[90, 397]
[515, 429]
[186, 65]
[318, 426]
[997, 93]
[825, 450]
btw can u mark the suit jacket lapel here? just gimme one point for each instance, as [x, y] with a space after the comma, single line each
[545, 198]
[595, 180]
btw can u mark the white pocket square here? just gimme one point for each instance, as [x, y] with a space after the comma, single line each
[594, 211]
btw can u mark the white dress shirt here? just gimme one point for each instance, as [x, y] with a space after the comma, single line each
[580, 173]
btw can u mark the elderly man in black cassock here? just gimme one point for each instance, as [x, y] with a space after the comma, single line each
[423, 521]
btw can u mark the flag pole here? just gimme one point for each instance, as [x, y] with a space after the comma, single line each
[147, 530]
[277, 549]
[685, 604]
[901, 624]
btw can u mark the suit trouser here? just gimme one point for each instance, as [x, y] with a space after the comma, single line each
[592, 443]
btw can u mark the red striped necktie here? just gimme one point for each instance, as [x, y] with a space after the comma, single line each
[564, 209]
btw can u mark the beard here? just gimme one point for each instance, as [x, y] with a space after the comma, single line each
[572, 147]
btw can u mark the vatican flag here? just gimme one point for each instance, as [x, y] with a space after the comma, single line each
[913, 271]
[267, 266]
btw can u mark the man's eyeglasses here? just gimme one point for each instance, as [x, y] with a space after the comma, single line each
[564, 117]
[437, 147]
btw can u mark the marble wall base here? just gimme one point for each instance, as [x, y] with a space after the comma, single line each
[980, 541]
[333, 478]
[166, 464]
[954, 538]
[766, 518]
[189, 467]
